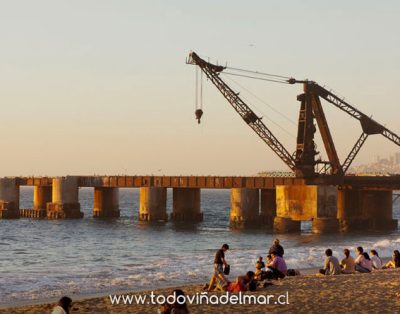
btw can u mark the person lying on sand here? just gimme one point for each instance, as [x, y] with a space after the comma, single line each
[347, 264]
[331, 264]
[243, 283]
[63, 306]
[395, 262]
[363, 262]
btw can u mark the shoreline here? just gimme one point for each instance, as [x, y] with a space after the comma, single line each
[86, 296]
[374, 291]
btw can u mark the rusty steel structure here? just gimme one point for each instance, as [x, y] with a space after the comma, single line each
[219, 182]
[303, 162]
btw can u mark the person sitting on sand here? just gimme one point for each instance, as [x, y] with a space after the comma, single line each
[277, 267]
[363, 265]
[219, 263]
[179, 307]
[242, 283]
[277, 248]
[269, 261]
[376, 260]
[395, 262]
[63, 307]
[261, 263]
[347, 264]
[331, 265]
[260, 273]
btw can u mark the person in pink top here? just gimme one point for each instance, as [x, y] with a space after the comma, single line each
[277, 267]
[362, 261]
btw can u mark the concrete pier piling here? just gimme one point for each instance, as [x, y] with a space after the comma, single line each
[65, 199]
[41, 196]
[360, 210]
[307, 202]
[186, 205]
[106, 202]
[153, 204]
[245, 208]
[9, 198]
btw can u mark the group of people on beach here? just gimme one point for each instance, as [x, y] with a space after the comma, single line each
[275, 268]
[363, 263]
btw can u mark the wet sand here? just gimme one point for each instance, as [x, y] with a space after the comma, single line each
[374, 293]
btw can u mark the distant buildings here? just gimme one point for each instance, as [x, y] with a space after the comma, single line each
[397, 158]
[390, 165]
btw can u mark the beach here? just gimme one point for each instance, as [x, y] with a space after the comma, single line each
[357, 293]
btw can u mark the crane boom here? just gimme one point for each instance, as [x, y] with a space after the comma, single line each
[369, 125]
[326, 135]
[212, 72]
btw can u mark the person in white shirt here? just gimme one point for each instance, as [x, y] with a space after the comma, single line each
[331, 265]
[376, 260]
[347, 264]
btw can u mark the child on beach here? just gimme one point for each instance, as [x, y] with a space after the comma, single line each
[261, 263]
[331, 265]
[260, 273]
[347, 264]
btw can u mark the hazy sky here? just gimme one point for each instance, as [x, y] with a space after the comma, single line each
[92, 86]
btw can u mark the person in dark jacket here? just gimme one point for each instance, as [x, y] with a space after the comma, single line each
[277, 248]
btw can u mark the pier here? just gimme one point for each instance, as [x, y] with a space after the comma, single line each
[319, 189]
[341, 204]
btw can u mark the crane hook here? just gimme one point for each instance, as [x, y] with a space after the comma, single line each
[198, 114]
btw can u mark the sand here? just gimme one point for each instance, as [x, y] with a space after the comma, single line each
[374, 293]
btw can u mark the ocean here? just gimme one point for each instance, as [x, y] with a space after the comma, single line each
[45, 259]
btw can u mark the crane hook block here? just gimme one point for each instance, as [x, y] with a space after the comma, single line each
[198, 114]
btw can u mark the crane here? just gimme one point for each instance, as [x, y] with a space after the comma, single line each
[303, 162]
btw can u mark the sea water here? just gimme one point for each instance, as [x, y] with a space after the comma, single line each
[45, 259]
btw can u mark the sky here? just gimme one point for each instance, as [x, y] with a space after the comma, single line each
[101, 87]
